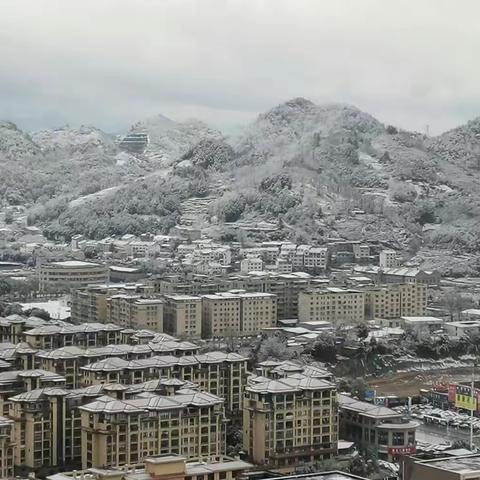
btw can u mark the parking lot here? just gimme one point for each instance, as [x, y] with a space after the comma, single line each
[442, 426]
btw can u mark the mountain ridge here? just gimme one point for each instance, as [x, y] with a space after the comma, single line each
[300, 164]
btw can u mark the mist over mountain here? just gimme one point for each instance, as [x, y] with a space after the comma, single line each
[319, 171]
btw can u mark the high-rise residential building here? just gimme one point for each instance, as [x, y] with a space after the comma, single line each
[182, 315]
[286, 286]
[17, 381]
[238, 313]
[71, 274]
[223, 374]
[290, 421]
[89, 304]
[48, 337]
[126, 432]
[47, 421]
[133, 311]
[395, 300]
[67, 361]
[335, 305]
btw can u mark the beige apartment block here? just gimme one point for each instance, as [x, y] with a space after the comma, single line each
[223, 374]
[126, 432]
[395, 300]
[47, 421]
[67, 361]
[49, 337]
[89, 304]
[133, 311]
[165, 467]
[335, 305]
[71, 274]
[290, 421]
[238, 313]
[14, 382]
[182, 315]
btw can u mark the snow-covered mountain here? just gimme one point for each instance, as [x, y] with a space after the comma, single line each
[322, 163]
[170, 140]
[80, 140]
[15, 143]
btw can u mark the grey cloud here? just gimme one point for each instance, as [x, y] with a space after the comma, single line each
[113, 62]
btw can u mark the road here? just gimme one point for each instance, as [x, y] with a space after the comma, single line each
[438, 434]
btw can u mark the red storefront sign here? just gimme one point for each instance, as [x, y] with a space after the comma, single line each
[452, 392]
[402, 450]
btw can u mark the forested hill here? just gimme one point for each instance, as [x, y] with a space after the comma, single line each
[319, 170]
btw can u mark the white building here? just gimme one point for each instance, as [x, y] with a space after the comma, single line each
[251, 264]
[388, 259]
[422, 326]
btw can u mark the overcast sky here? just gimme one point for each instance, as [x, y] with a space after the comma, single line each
[113, 62]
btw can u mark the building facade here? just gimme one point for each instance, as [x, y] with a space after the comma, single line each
[290, 421]
[376, 427]
[237, 313]
[126, 432]
[335, 305]
[133, 311]
[396, 300]
[182, 316]
[71, 274]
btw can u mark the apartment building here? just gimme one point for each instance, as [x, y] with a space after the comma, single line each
[315, 259]
[182, 315]
[59, 335]
[133, 311]
[7, 448]
[47, 421]
[376, 427]
[251, 264]
[238, 313]
[165, 467]
[47, 427]
[89, 304]
[18, 356]
[67, 361]
[395, 300]
[125, 432]
[17, 381]
[223, 374]
[335, 305]
[71, 274]
[13, 326]
[290, 421]
[388, 259]
[361, 252]
[286, 286]
[195, 286]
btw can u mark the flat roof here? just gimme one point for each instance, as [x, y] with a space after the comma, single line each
[464, 464]
[190, 298]
[424, 319]
[73, 263]
[332, 475]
